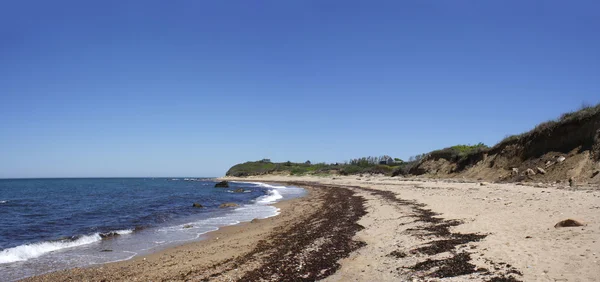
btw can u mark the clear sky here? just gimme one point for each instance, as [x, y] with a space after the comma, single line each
[189, 88]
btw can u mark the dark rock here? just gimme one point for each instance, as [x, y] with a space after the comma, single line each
[222, 184]
[228, 205]
[188, 226]
[106, 250]
[239, 190]
[569, 223]
[109, 235]
[196, 205]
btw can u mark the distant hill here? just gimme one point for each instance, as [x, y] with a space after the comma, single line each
[366, 165]
[563, 150]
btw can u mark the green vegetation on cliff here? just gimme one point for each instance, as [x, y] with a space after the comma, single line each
[457, 152]
[366, 165]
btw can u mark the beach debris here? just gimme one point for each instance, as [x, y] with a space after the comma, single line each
[540, 170]
[222, 184]
[560, 159]
[450, 267]
[529, 171]
[569, 223]
[397, 254]
[197, 205]
[483, 183]
[228, 205]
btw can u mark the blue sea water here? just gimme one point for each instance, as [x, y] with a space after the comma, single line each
[51, 224]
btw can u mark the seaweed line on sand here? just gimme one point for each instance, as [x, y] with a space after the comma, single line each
[307, 251]
[456, 265]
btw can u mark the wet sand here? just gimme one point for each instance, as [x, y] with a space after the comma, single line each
[305, 242]
[388, 229]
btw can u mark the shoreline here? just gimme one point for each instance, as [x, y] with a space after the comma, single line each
[225, 238]
[375, 228]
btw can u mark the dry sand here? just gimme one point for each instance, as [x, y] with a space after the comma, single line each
[518, 221]
[414, 230]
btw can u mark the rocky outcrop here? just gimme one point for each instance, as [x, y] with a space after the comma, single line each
[229, 205]
[222, 184]
[196, 205]
[561, 149]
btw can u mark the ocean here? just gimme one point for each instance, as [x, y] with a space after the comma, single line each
[52, 224]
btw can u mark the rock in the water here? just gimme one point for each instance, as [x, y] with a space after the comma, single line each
[188, 226]
[569, 223]
[561, 159]
[239, 190]
[109, 235]
[529, 171]
[228, 205]
[222, 184]
[196, 205]
[540, 170]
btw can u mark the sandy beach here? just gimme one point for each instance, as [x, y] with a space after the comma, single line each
[376, 228]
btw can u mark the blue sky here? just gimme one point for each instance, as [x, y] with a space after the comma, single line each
[189, 88]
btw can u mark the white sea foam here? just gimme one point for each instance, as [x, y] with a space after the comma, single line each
[272, 197]
[3, 202]
[124, 232]
[265, 185]
[25, 252]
